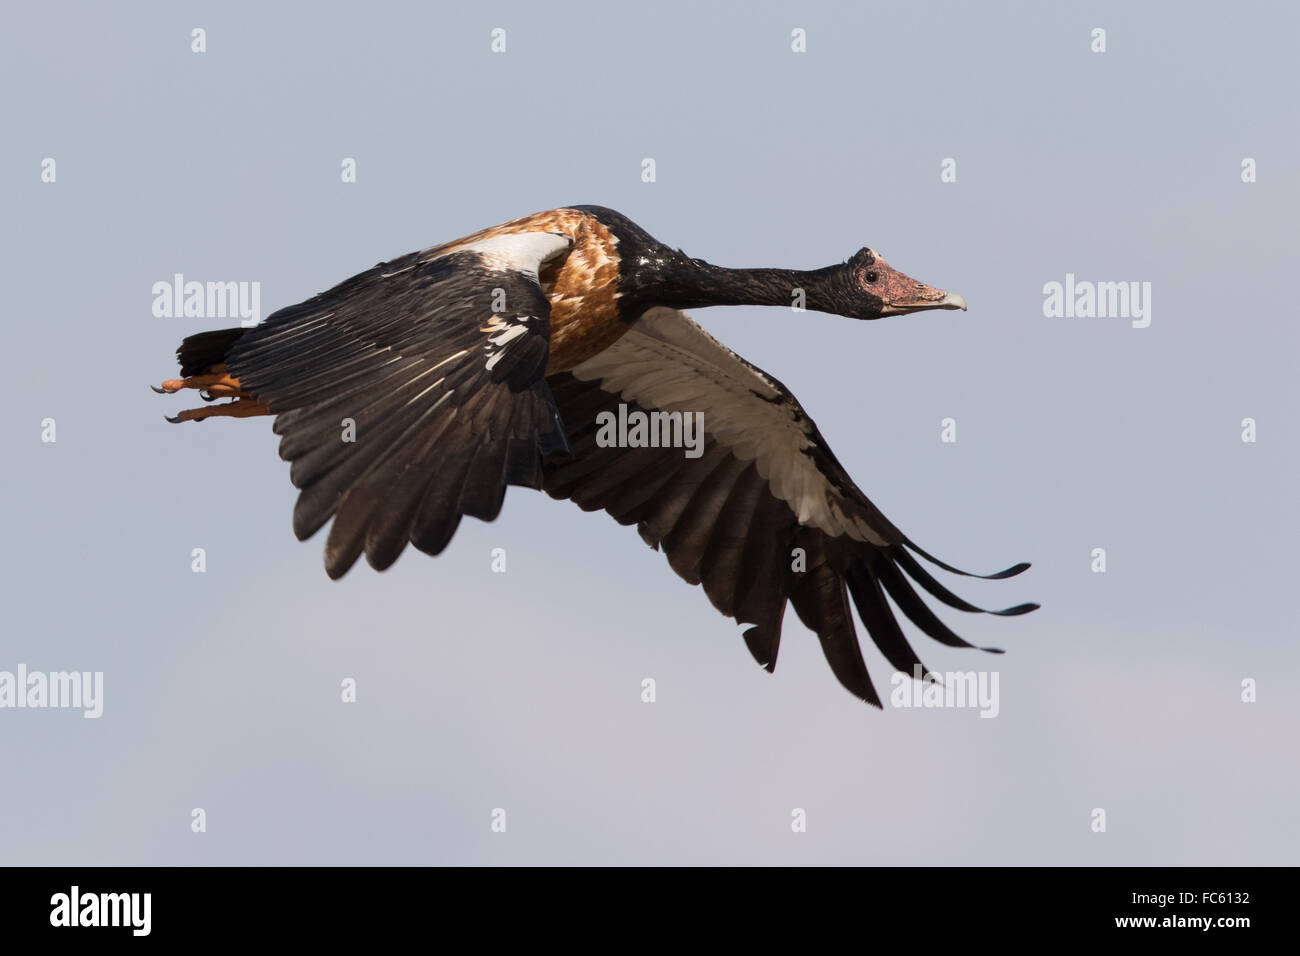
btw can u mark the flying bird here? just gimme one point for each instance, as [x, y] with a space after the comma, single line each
[501, 358]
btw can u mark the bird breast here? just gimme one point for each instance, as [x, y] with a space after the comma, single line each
[583, 290]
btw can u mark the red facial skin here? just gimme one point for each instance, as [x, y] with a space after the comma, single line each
[902, 293]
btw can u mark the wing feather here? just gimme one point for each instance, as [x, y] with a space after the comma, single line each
[764, 517]
[406, 399]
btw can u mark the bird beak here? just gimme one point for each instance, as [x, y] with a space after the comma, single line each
[950, 300]
[903, 294]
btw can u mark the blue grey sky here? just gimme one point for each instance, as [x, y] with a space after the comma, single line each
[522, 690]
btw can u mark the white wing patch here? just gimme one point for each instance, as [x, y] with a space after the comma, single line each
[516, 252]
[667, 362]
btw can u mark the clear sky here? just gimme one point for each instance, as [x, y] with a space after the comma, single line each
[522, 691]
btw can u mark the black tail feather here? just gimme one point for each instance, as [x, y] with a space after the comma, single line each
[198, 353]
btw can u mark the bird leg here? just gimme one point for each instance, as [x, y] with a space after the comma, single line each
[217, 376]
[239, 408]
[212, 385]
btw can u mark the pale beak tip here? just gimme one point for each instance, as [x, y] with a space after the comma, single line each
[952, 300]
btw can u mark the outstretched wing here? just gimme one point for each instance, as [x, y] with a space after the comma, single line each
[764, 516]
[410, 395]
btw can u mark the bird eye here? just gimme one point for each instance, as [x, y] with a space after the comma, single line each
[872, 275]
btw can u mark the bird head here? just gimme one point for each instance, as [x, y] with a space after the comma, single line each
[872, 288]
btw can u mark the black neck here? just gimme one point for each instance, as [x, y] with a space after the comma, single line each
[653, 274]
[693, 284]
